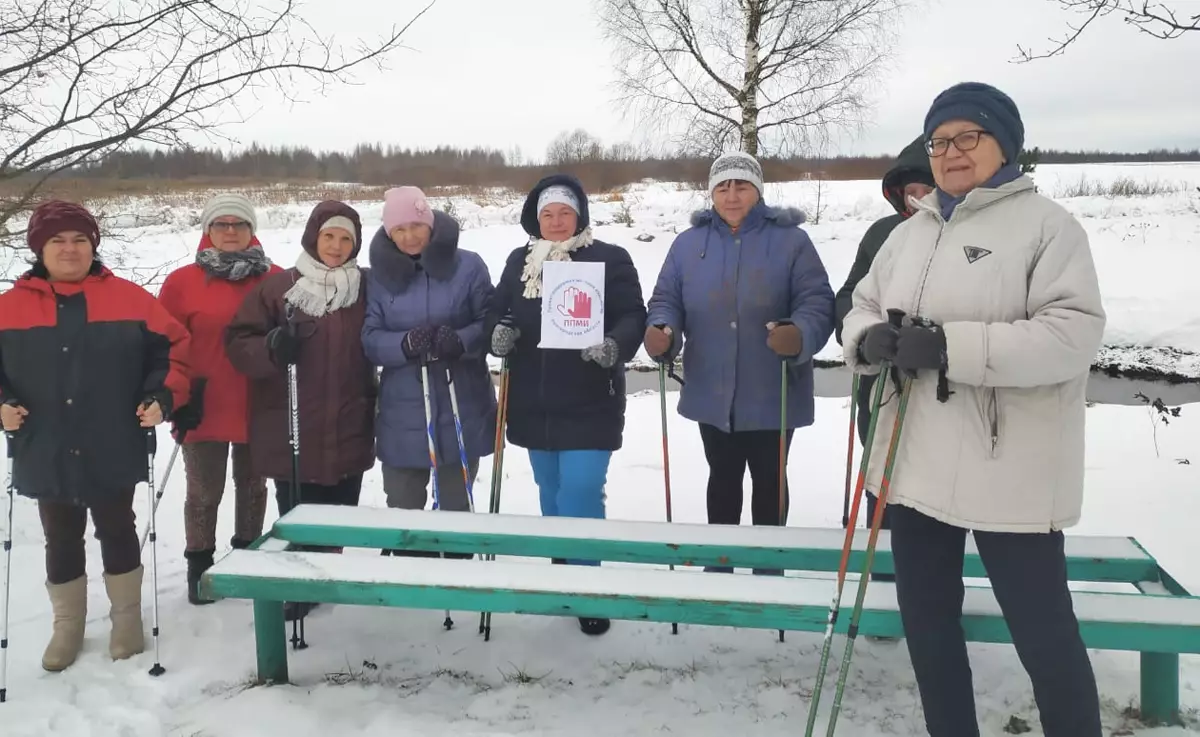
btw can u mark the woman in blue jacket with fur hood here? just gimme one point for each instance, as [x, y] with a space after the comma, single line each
[743, 289]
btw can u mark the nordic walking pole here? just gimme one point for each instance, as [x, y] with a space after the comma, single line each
[151, 449]
[448, 623]
[462, 446]
[485, 618]
[298, 641]
[850, 451]
[10, 485]
[876, 524]
[662, 403]
[847, 545]
[894, 316]
[162, 487]
[783, 377]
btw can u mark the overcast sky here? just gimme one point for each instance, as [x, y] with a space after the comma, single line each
[505, 73]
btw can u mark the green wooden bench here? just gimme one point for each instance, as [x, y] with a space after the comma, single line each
[1158, 618]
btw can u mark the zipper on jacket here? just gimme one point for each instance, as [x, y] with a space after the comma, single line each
[928, 267]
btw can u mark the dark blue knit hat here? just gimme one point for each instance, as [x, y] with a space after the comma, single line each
[981, 103]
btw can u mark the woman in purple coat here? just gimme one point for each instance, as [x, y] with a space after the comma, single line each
[426, 302]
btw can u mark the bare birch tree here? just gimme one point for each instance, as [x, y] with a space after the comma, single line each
[1161, 20]
[80, 79]
[770, 76]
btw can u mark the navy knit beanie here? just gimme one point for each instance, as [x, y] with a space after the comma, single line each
[980, 103]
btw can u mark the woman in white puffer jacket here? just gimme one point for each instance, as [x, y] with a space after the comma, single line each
[993, 438]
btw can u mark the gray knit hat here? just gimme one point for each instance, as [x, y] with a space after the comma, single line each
[735, 165]
[229, 204]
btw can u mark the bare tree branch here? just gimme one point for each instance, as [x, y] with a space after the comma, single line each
[81, 79]
[1156, 19]
[775, 75]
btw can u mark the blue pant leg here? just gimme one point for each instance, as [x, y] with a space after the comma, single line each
[583, 474]
[545, 465]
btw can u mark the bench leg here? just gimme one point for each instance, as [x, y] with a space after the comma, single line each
[1160, 688]
[270, 638]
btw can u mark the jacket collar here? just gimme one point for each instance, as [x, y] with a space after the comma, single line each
[784, 217]
[396, 270]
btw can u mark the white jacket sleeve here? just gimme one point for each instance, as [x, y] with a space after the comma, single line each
[1064, 330]
[866, 310]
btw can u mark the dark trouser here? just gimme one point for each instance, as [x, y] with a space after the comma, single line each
[866, 385]
[343, 493]
[1028, 573]
[116, 529]
[728, 455]
[206, 464]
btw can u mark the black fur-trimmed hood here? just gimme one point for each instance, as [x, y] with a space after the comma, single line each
[395, 270]
[784, 217]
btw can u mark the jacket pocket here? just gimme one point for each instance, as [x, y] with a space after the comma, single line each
[988, 404]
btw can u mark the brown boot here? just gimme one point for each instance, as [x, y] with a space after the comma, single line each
[125, 594]
[69, 601]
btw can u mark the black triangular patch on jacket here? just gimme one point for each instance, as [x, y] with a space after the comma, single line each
[974, 253]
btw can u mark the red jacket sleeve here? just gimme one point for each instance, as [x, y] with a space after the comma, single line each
[168, 379]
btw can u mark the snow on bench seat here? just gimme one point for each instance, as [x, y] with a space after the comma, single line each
[1114, 621]
[1118, 559]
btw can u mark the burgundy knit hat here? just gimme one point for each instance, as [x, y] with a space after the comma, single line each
[57, 216]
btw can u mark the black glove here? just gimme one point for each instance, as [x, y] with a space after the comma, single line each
[447, 345]
[920, 347]
[418, 342]
[879, 344]
[189, 416]
[284, 345]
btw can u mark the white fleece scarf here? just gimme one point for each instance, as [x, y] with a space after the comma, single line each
[541, 250]
[321, 290]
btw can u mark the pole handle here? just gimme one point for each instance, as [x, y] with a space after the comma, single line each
[895, 317]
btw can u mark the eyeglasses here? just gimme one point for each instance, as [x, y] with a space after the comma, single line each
[240, 225]
[965, 141]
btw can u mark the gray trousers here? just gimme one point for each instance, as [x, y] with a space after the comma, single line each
[406, 488]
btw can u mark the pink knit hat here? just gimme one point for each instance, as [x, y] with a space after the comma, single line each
[403, 206]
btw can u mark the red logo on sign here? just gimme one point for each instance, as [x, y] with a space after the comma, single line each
[576, 304]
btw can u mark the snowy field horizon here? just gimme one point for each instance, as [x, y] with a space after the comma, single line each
[1146, 246]
[371, 671]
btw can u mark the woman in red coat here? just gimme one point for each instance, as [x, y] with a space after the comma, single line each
[89, 363]
[205, 296]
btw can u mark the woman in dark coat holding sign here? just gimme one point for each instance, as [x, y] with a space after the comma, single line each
[567, 407]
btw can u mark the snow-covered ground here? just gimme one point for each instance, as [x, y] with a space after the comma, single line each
[372, 671]
[1146, 248]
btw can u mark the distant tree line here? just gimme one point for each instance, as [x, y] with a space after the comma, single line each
[600, 166]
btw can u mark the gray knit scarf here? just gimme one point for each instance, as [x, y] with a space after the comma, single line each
[233, 265]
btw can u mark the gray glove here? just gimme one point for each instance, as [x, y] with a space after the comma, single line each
[604, 353]
[504, 338]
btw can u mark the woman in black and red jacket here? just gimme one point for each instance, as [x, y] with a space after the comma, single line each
[88, 363]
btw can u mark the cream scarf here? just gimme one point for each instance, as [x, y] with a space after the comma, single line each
[541, 250]
[321, 290]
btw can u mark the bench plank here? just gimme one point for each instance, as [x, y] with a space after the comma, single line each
[1102, 559]
[1112, 621]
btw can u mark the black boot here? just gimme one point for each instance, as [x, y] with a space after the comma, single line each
[239, 544]
[293, 610]
[198, 561]
[594, 625]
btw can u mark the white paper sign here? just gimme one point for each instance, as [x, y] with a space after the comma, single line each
[572, 304]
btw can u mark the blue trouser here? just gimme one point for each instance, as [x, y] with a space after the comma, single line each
[571, 484]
